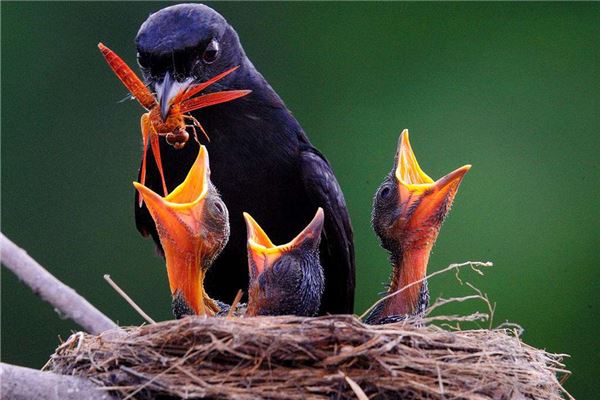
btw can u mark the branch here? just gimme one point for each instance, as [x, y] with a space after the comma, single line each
[64, 299]
[472, 264]
[20, 383]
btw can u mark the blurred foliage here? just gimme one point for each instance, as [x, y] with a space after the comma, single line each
[513, 89]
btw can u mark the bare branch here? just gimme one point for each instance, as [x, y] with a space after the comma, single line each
[472, 264]
[63, 298]
[20, 383]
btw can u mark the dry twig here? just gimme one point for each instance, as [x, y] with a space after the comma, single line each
[473, 264]
[128, 299]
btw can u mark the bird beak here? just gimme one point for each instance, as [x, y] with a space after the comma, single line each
[167, 90]
[170, 91]
[262, 253]
[422, 205]
[179, 221]
[434, 198]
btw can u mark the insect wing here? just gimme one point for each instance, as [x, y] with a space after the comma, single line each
[212, 99]
[201, 86]
[134, 84]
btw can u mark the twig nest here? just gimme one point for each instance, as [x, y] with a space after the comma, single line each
[293, 357]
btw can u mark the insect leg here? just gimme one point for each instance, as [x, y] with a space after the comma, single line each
[194, 132]
[197, 123]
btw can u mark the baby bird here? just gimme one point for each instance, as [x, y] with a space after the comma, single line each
[408, 211]
[286, 279]
[193, 226]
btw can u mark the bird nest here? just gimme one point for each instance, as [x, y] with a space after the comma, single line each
[323, 357]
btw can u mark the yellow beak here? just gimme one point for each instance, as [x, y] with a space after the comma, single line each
[263, 253]
[179, 219]
[435, 198]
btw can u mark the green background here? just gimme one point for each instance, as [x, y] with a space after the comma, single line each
[513, 89]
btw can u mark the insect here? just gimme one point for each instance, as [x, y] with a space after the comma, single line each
[173, 126]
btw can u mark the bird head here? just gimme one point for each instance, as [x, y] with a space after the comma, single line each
[193, 226]
[408, 211]
[185, 44]
[286, 279]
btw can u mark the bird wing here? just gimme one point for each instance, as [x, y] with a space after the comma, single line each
[337, 246]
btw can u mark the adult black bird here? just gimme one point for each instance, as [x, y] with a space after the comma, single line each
[408, 211]
[262, 161]
[285, 279]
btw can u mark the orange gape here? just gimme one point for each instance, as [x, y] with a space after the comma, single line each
[173, 127]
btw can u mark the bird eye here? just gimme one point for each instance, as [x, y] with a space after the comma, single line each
[211, 52]
[220, 207]
[142, 60]
[384, 192]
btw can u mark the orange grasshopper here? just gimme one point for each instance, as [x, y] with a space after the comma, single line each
[173, 126]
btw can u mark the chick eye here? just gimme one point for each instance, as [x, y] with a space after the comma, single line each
[384, 193]
[211, 52]
[220, 207]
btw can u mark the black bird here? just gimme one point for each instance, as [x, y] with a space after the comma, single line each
[262, 161]
[285, 279]
[408, 211]
[194, 228]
